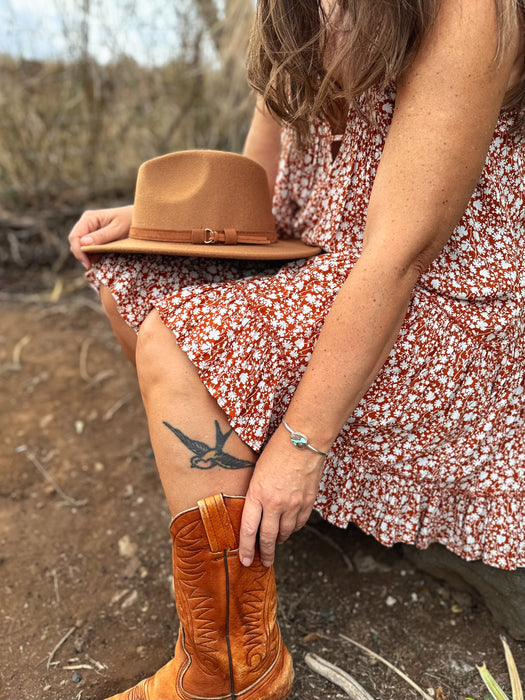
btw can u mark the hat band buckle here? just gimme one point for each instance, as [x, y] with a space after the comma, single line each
[208, 236]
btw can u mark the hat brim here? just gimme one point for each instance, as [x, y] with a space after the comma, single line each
[286, 249]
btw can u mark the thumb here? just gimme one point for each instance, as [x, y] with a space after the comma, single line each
[111, 232]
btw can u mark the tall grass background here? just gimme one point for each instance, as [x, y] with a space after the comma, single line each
[74, 129]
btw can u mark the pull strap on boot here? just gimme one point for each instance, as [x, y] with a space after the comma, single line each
[229, 645]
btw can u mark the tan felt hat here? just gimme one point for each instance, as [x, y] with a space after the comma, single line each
[204, 203]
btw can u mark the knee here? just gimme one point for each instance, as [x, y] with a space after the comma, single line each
[125, 335]
[155, 344]
[109, 304]
[161, 364]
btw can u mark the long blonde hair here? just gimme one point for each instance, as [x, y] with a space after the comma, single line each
[293, 65]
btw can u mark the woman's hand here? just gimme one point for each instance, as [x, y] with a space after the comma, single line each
[280, 497]
[99, 226]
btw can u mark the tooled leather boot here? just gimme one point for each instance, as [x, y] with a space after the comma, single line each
[229, 645]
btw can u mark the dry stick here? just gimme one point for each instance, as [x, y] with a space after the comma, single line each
[83, 359]
[55, 582]
[85, 667]
[108, 415]
[337, 676]
[17, 352]
[64, 639]
[390, 665]
[100, 376]
[70, 501]
[98, 666]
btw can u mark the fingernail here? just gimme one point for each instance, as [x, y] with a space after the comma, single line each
[86, 240]
[85, 265]
[266, 563]
[245, 561]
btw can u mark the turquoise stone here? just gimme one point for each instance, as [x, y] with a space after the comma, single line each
[299, 440]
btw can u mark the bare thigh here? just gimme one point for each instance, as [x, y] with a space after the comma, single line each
[196, 452]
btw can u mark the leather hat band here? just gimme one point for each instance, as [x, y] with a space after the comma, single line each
[228, 236]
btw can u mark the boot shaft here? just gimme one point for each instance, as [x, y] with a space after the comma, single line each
[227, 611]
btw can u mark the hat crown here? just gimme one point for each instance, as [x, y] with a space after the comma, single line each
[202, 190]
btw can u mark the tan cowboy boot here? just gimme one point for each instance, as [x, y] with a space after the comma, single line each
[229, 645]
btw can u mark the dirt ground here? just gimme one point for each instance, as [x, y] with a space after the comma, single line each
[85, 591]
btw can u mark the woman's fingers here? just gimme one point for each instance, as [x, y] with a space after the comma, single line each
[81, 229]
[98, 227]
[267, 527]
[290, 525]
[268, 534]
[260, 527]
[251, 518]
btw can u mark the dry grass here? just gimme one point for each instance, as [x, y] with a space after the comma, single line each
[74, 131]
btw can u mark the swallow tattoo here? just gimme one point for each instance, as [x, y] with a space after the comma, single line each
[206, 457]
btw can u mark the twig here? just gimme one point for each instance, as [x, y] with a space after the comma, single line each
[390, 665]
[35, 462]
[64, 639]
[55, 583]
[108, 415]
[17, 352]
[337, 676]
[83, 359]
[332, 544]
[97, 664]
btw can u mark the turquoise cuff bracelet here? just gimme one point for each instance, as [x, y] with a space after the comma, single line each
[300, 440]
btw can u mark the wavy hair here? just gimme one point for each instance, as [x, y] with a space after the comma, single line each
[293, 64]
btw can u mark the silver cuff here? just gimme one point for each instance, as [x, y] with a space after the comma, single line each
[300, 440]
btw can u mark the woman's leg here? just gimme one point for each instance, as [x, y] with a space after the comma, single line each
[229, 643]
[125, 335]
[196, 452]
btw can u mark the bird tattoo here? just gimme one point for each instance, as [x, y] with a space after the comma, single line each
[207, 457]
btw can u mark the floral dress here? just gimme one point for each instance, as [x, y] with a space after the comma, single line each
[435, 451]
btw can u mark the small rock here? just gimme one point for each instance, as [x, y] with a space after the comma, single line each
[390, 601]
[99, 467]
[443, 592]
[126, 547]
[366, 564]
[79, 429]
[461, 667]
[76, 677]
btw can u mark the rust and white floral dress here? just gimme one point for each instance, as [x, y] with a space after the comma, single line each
[435, 451]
